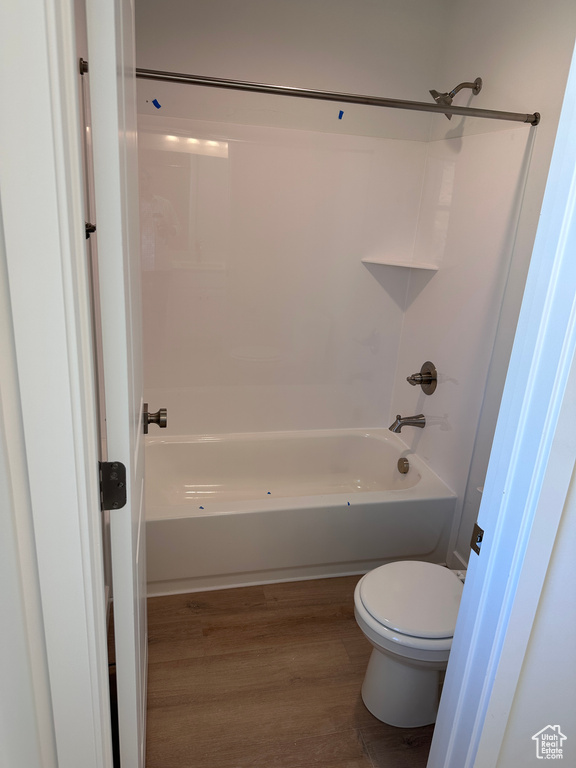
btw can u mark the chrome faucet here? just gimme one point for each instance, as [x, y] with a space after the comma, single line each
[408, 421]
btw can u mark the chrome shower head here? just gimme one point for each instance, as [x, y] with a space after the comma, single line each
[445, 99]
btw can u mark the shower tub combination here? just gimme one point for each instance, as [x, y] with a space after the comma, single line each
[240, 509]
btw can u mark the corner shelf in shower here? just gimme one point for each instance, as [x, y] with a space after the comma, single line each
[407, 264]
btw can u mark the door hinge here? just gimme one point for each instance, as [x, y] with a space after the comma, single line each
[112, 485]
[90, 229]
[476, 540]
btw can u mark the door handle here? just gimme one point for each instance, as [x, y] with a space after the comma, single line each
[160, 418]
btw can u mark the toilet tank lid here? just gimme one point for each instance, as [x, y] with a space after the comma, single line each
[413, 598]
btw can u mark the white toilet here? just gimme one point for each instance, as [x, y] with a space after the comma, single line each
[408, 611]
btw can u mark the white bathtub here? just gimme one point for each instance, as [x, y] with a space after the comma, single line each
[242, 509]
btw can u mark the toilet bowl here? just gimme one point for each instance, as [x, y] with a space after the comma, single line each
[407, 610]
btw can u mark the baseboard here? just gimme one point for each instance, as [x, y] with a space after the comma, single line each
[257, 578]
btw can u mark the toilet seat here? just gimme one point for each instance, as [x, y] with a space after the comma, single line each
[413, 599]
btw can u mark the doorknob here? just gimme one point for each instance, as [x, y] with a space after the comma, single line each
[160, 418]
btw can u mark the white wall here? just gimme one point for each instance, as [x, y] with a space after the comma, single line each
[311, 41]
[390, 48]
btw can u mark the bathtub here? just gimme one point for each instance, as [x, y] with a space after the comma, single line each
[231, 510]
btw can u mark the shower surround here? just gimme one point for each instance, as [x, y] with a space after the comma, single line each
[349, 332]
[259, 313]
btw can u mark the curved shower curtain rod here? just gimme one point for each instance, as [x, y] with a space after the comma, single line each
[345, 98]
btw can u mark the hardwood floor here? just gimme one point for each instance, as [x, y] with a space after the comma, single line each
[266, 677]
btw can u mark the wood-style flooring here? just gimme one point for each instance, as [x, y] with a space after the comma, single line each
[266, 677]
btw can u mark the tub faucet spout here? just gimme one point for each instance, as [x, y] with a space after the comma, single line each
[408, 421]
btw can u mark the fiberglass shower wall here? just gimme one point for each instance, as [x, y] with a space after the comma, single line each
[259, 313]
[471, 200]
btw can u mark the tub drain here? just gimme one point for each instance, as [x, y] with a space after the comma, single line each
[403, 465]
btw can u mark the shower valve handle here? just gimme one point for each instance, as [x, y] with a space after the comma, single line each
[427, 378]
[160, 418]
[419, 378]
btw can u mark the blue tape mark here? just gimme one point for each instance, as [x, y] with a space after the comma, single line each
[348, 503]
[269, 493]
[341, 114]
[158, 105]
[200, 507]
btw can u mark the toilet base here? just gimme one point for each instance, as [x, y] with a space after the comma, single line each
[401, 694]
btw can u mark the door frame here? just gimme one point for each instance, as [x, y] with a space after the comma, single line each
[42, 210]
[111, 60]
[43, 224]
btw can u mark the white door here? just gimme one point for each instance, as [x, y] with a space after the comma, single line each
[112, 91]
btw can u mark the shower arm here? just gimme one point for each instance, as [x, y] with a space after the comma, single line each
[345, 98]
[475, 87]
